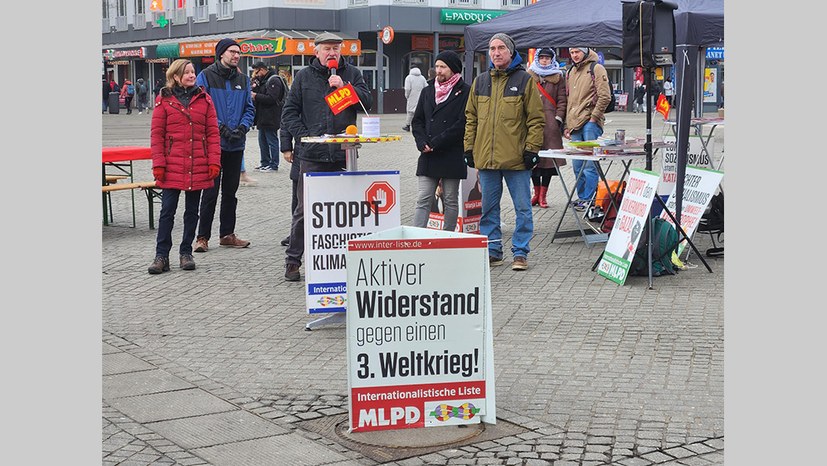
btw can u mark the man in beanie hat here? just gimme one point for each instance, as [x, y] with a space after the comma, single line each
[438, 126]
[588, 97]
[414, 83]
[229, 89]
[306, 113]
[503, 133]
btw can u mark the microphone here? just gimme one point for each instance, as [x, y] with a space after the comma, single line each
[332, 64]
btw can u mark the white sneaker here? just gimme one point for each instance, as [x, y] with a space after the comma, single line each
[140, 113]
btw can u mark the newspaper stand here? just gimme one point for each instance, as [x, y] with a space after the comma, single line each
[351, 145]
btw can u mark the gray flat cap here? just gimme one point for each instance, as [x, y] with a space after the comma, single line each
[328, 38]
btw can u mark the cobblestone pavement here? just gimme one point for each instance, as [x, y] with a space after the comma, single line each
[214, 366]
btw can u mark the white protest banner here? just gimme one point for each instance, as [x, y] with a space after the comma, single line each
[419, 330]
[695, 155]
[339, 206]
[699, 185]
[631, 218]
[470, 205]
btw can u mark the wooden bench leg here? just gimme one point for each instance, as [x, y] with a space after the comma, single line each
[151, 194]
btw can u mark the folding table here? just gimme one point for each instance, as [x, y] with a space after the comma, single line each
[592, 234]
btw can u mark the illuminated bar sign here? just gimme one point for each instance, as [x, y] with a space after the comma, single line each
[450, 16]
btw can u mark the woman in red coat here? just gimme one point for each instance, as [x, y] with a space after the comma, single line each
[186, 156]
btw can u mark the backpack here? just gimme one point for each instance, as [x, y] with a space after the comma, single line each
[130, 89]
[142, 89]
[665, 239]
[270, 82]
[613, 101]
[712, 220]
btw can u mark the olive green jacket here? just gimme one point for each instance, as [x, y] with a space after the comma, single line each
[504, 117]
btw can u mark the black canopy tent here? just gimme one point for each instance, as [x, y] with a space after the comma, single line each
[598, 23]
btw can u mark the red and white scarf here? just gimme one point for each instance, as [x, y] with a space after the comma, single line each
[444, 89]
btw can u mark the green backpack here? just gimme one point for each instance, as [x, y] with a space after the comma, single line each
[665, 239]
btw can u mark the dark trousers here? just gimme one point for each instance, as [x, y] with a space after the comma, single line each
[295, 250]
[166, 220]
[227, 182]
[127, 102]
[542, 176]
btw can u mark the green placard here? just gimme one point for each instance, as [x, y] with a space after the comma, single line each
[449, 16]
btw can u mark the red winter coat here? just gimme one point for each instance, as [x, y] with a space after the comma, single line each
[185, 141]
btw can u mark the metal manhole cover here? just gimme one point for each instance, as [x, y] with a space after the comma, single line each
[394, 445]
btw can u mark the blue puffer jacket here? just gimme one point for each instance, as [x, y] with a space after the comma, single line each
[230, 93]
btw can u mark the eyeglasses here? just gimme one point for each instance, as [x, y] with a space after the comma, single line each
[234, 52]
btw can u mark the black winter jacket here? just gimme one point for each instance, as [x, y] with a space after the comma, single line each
[306, 112]
[441, 127]
[269, 101]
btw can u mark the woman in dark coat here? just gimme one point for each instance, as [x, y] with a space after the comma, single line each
[549, 77]
[186, 156]
[438, 126]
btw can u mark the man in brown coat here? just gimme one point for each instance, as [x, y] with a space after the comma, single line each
[588, 98]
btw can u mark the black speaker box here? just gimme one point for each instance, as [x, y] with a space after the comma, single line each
[648, 33]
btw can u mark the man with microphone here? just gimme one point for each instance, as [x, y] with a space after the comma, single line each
[306, 113]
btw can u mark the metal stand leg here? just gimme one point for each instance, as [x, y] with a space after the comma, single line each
[336, 318]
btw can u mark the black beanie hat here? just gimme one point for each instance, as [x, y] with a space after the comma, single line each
[222, 47]
[451, 59]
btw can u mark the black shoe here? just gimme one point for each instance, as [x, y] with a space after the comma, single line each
[187, 262]
[291, 273]
[285, 241]
[159, 265]
[406, 128]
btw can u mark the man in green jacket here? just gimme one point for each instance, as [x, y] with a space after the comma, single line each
[503, 133]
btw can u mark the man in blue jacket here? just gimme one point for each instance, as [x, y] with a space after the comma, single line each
[230, 92]
[306, 113]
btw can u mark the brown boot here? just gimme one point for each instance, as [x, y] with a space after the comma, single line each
[543, 193]
[159, 265]
[233, 241]
[536, 195]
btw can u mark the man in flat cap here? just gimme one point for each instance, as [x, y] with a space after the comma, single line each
[503, 134]
[230, 91]
[306, 113]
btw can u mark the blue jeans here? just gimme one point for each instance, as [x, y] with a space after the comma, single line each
[268, 143]
[587, 184]
[166, 220]
[519, 186]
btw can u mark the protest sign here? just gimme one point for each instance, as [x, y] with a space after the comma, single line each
[339, 206]
[419, 330]
[699, 185]
[695, 155]
[631, 218]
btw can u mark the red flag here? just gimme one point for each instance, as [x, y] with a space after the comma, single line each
[342, 98]
[662, 106]
[182, 4]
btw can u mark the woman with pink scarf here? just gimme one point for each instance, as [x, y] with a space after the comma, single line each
[438, 127]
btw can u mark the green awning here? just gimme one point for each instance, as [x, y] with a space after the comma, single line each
[167, 50]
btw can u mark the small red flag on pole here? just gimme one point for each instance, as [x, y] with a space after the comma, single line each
[182, 4]
[342, 98]
[662, 106]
